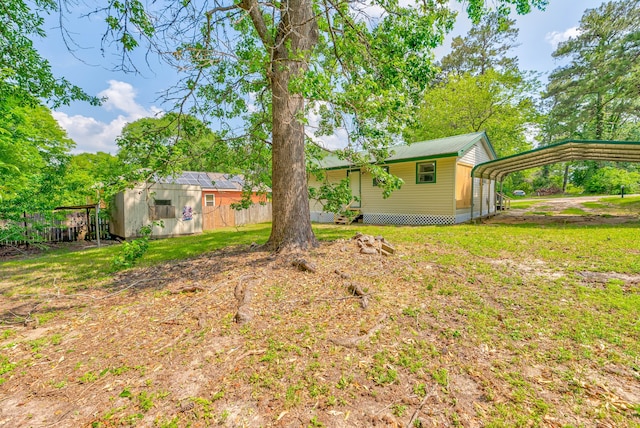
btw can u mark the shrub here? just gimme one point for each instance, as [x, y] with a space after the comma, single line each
[132, 251]
[609, 180]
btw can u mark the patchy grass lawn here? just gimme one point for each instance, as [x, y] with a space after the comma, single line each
[523, 205]
[473, 325]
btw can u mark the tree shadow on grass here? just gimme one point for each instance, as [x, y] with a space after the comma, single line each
[191, 272]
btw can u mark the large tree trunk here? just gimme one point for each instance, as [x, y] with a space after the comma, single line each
[599, 117]
[565, 180]
[296, 37]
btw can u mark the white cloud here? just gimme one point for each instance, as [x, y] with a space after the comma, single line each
[338, 140]
[92, 135]
[122, 96]
[556, 37]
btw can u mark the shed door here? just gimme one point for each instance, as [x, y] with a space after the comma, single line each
[354, 183]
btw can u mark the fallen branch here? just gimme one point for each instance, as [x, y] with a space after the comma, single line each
[417, 411]
[248, 353]
[188, 289]
[325, 299]
[192, 302]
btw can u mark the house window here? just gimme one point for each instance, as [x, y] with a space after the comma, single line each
[376, 181]
[163, 201]
[209, 200]
[426, 172]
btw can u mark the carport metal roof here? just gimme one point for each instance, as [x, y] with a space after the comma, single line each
[565, 151]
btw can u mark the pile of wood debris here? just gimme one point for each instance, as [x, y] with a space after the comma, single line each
[369, 244]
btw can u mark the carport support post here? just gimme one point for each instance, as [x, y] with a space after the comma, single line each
[98, 222]
[481, 194]
[473, 182]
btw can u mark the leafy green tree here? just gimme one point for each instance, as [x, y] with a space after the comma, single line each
[21, 66]
[494, 102]
[610, 180]
[485, 48]
[89, 175]
[34, 154]
[173, 143]
[595, 96]
[32, 148]
[169, 144]
[481, 88]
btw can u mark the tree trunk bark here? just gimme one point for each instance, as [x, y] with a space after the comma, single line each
[565, 180]
[599, 117]
[295, 38]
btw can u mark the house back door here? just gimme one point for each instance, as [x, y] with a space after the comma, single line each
[354, 183]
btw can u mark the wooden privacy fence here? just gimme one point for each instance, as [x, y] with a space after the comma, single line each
[39, 229]
[225, 216]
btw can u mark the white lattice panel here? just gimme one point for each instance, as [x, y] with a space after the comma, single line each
[409, 219]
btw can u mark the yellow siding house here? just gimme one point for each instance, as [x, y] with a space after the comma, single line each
[437, 185]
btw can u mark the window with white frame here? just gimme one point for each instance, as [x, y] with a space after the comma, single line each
[426, 172]
[209, 200]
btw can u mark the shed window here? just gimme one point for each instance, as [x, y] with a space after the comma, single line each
[158, 212]
[163, 202]
[209, 200]
[426, 172]
[377, 182]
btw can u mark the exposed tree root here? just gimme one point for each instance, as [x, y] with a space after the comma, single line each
[352, 342]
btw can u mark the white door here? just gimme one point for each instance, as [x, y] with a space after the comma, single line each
[354, 183]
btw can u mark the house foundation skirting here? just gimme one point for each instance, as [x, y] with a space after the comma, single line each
[409, 219]
[320, 217]
[399, 219]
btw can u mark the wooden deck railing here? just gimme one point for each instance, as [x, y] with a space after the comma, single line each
[503, 202]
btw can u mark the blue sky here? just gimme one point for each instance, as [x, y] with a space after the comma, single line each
[133, 96]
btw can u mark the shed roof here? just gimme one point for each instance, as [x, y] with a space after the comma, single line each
[208, 180]
[438, 148]
[569, 150]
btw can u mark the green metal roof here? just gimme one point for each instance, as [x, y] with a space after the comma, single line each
[438, 148]
[564, 151]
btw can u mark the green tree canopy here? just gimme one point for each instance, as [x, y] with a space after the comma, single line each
[90, 173]
[481, 88]
[173, 143]
[596, 95]
[167, 144]
[485, 48]
[21, 65]
[494, 102]
[34, 153]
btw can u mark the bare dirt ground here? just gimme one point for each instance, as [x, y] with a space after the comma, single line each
[160, 347]
[550, 211]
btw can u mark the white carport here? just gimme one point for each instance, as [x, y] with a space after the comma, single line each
[565, 151]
